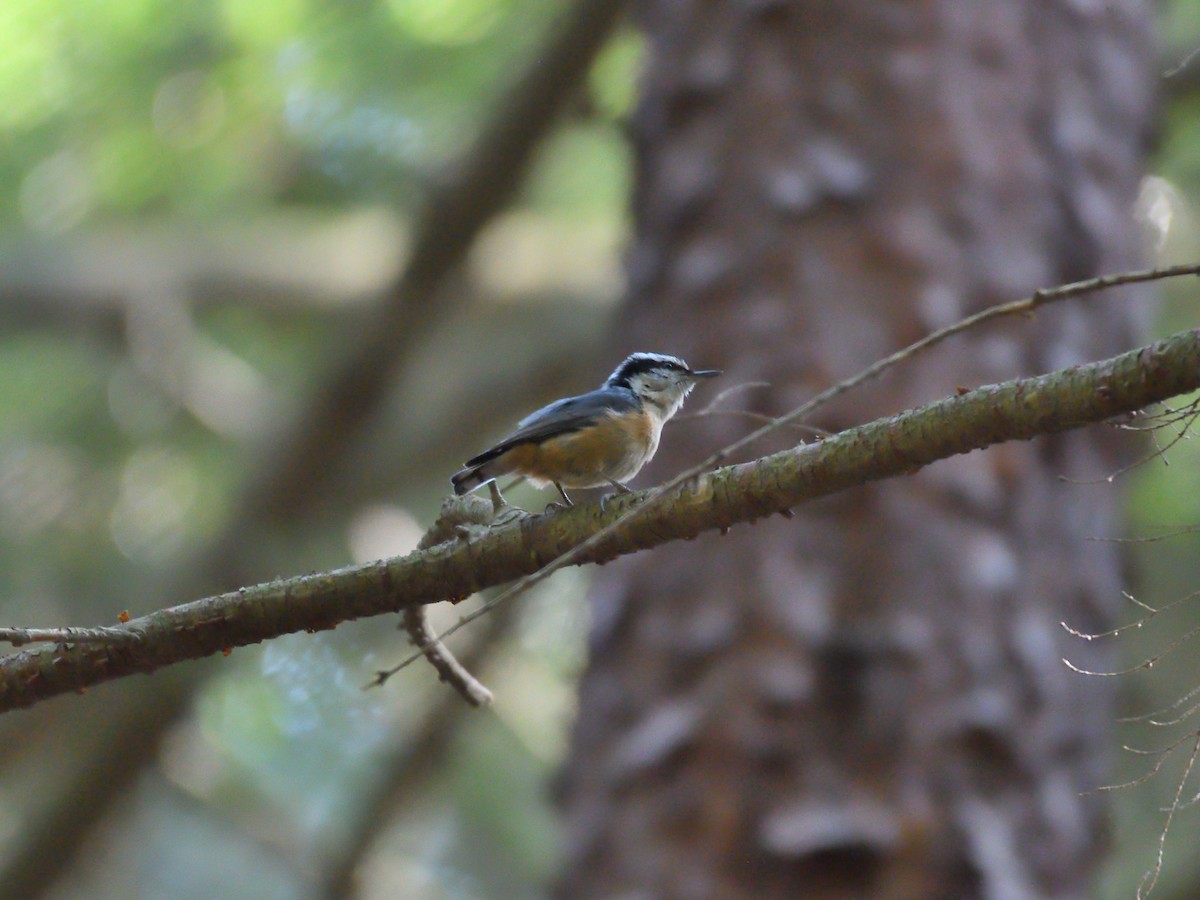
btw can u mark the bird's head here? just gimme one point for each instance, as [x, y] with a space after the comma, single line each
[659, 380]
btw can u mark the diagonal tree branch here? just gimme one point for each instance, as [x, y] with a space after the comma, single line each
[1020, 409]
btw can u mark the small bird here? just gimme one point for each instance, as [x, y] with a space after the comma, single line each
[603, 437]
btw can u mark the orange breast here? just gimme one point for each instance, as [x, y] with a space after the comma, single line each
[615, 448]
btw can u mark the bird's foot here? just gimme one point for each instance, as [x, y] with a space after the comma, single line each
[555, 505]
[620, 491]
[502, 513]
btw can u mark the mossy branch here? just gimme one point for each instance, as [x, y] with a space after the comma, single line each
[1013, 410]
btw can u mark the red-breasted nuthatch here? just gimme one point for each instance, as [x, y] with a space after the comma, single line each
[600, 438]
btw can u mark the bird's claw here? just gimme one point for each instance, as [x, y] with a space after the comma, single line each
[604, 498]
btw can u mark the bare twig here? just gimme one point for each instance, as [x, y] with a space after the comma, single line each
[1152, 611]
[1159, 419]
[449, 669]
[1159, 452]
[1148, 880]
[1175, 704]
[1162, 754]
[1182, 531]
[1182, 717]
[763, 418]
[1182, 64]
[710, 409]
[716, 401]
[1148, 663]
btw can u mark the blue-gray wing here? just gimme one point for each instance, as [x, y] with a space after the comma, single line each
[560, 417]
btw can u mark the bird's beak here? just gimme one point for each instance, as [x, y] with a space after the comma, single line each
[706, 373]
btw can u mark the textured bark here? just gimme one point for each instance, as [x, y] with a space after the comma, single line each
[868, 701]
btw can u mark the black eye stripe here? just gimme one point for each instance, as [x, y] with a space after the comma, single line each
[642, 363]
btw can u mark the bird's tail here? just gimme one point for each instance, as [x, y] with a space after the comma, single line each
[471, 477]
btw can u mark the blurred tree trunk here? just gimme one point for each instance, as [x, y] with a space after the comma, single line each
[868, 700]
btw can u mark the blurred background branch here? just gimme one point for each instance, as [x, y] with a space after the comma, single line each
[301, 455]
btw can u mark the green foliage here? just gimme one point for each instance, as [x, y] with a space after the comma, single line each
[52, 387]
[128, 420]
[201, 107]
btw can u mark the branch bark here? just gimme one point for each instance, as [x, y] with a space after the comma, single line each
[1020, 409]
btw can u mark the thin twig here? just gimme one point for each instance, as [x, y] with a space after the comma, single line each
[1182, 717]
[449, 669]
[711, 409]
[814, 430]
[717, 400]
[1156, 751]
[1148, 663]
[1159, 452]
[1152, 612]
[1175, 704]
[1150, 539]
[1149, 879]
[1160, 419]
[1163, 755]
[1182, 64]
